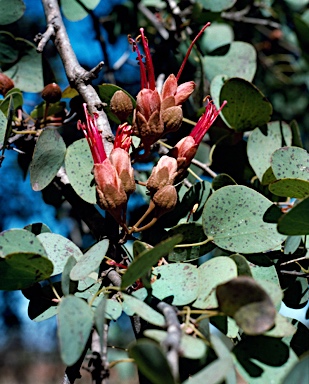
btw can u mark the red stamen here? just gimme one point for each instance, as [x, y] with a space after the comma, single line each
[206, 121]
[123, 137]
[149, 64]
[190, 49]
[144, 82]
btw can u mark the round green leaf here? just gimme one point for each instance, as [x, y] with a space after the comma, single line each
[244, 299]
[3, 124]
[243, 267]
[247, 108]
[210, 274]
[179, 280]
[47, 159]
[217, 6]
[217, 36]
[67, 285]
[290, 188]
[133, 305]
[20, 240]
[11, 11]
[192, 347]
[27, 72]
[13, 98]
[59, 249]
[290, 162]
[19, 270]
[90, 261]
[8, 48]
[140, 266]
[282, 328]
[299, 373]
[239, 61]
[74, 327]
[151, 361]
[233, 217]
[37, 228]
[222, 180]
[261, 146]
[296, 221]
[74, 11]
[79, 165]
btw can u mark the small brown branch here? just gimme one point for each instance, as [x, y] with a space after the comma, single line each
[240, 17]
[294, 273]
[78, 77]
[204, 167]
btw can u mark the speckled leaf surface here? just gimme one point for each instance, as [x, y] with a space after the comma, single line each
[75, 319]
[74, 11]
[191, 347]
[296, 221]
[19, 270]
[210, 274]
[261, 147]
[239, 61]
[247, 108]
[59, 249]
[79, 165]
[233, 217]
[133, 305]
[90, 261]
[11, 11]
[290, 188]
[179, 280]
[20, 240]
[290, 162]
[47, 159]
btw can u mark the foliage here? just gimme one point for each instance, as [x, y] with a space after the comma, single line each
[223, 240]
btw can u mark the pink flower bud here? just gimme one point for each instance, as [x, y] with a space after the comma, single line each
[120, 159]
[165, 200]
[163, 174]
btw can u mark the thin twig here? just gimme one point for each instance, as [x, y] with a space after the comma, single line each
[240, 17]
[294, 273]
[205, 167]
[293, 261]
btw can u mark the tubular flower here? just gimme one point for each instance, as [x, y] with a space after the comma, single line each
[163, 174]
[185, 150]
[157, 114]
[113, 176]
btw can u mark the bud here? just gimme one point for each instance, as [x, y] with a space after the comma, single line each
[5, 84]
[165, 200]
[51, 93]
[121, 105]
[162, 174]
[120, 159]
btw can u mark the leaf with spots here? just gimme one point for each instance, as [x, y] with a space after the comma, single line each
[210, 274]
[179, 280]
[90, 261]
[261, 146]
[290, 162]
[37, 228]
[59, 249]
[247, 108]
[75, 320]
[79, 165]
[20, 240]
[19, 270]
[233, 218]
[296, 220]
[47, 159]
[290, 188]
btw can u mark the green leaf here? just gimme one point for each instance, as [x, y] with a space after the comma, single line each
[222, 180]
[247, 108]
[11, 11]
[151, 361]
[20, 240]
[47, 159]
[233, 217]
[79, 165]
[74, 11]
[179, 280]
[19, 270]
[213, 373]
[139, 247]
[59, 249]
[90, 261]
[67, 285]
[140, 266]
[192, 347]
[27, 71]
[261, 146]
[290, 188]
[8, 48]
[13, 98]
[296, 221]
[299, 373]
[106, 92]
[3, 124]
[217, 6]
[282, 328]
[243, 268]
[41, 305]
[244, 299]
[133, 305]
[218, 35]
[39, 110]
[74, 326]
[212, 273]
[239, 61]
[291, 244]
[37, 228]
[290, 162]
[192, 233]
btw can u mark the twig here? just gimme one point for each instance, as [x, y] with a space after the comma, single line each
[240, 17]
[172, 341]
[293, 261]
[205, 167]
[78, 77]
[154, 20]
[294, 273]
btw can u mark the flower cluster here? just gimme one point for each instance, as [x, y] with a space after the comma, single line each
[155, 115]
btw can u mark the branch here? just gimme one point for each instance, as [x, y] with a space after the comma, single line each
[78, 76]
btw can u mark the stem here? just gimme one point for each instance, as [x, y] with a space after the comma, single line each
[209, 239]
[194, 174]
[128, 360]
